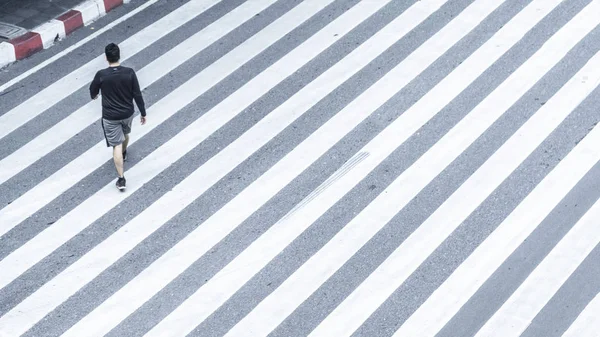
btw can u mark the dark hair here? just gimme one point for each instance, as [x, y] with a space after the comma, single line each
[112, 52]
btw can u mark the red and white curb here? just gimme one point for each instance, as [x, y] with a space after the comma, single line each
[44, 36]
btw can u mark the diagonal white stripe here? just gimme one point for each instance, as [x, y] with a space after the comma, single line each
[102, 256]
[223, 285]
[94, 207]
[517, 313]
[72, 82]
[587, 323]
[348, 241]
[89, 113]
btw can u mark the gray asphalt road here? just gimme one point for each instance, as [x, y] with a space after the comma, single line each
[311, 168]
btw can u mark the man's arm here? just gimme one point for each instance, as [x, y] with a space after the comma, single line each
[95, 86]
[137, 94]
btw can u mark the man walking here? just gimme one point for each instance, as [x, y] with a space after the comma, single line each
[119, 86]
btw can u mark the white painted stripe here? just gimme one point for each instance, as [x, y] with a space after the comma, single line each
[587, 323]
[49, 31]
[85, 269]
[469, 276]
[223, 285]
[7, 54]
[53, 186]
[108, 197]
[308, 278]
[368, 296]
[72, 82]
[35, 69]
[127, 237]
[517, 313]
[89, 113]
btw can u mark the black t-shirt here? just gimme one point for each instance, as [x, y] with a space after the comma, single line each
[119, 87]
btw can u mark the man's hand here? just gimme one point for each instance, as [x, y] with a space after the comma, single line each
[142, 120]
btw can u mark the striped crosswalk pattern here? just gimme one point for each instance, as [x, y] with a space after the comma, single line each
[313, 168]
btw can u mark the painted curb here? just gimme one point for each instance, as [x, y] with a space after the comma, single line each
[45, 35]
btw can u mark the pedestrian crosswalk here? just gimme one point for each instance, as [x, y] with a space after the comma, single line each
[84, 116]
[338, 168]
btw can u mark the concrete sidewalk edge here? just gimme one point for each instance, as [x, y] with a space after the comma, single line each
[44, 36]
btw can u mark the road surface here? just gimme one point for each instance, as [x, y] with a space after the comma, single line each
[320, 168]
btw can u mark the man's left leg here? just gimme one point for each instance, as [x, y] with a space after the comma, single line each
[126, 131]
[124, 150]
[118, 159]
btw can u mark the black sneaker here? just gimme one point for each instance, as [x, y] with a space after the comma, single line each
[121, 183]
[125, 155]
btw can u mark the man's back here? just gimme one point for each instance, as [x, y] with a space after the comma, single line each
[119, 87]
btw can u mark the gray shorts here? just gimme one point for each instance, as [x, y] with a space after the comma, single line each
[115, 131]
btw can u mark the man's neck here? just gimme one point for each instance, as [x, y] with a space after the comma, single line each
[114, 64]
